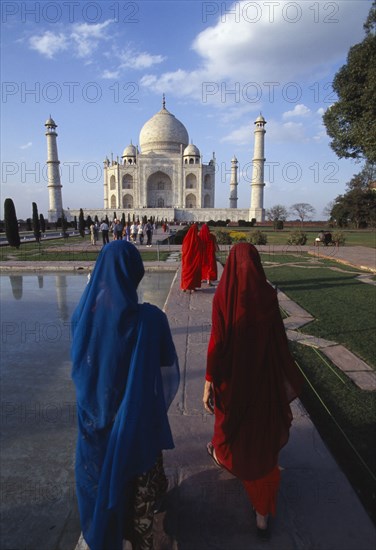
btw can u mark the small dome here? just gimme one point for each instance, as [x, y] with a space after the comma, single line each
[260, 118]
[129, 151]
[163, 132]
[234, 159]
[191, 151]
[50, 122]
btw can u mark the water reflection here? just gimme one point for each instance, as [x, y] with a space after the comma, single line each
[61, 293]
[65, 289]
[16, 283]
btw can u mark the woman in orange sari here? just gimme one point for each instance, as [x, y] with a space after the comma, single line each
[251, 378]
[191, 257]
[209, 270]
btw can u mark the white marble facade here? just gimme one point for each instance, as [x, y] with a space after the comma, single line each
[168, 172]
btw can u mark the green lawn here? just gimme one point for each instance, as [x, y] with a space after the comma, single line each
[343, 307]
[65, 250]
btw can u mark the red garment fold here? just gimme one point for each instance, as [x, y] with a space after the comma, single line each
[253, 373]
[191, 257]
[209, 271]
[263, 493]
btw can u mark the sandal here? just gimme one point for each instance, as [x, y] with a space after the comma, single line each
[262, 532]
[211, 453]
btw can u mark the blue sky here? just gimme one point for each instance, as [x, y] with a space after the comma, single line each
[100, 69]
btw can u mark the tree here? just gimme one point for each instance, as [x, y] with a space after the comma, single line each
[364, 179]
[11, 224]
[327, 211]
[81, 223]
[350, 122]
[358, 206]
[42, 222]
[277, 212]
[36, 224]
[64, 224]
[302, 210]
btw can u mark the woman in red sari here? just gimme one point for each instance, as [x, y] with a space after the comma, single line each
[209, 270]
[251, 378]
[191, 257]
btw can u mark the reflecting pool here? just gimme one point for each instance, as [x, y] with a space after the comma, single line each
[38, 415]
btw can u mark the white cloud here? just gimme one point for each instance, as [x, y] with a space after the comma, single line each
[111, 75]
[86, 37]
[83, 39]
[49, 43]
[27, 145]
[133, 59]
[288, 132]
[240, 136]
[299, 110]
[285, 44]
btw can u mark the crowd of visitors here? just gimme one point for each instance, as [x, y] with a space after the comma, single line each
[135, 232]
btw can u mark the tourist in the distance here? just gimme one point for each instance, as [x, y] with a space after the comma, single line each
[191, 257]
[104, 229]
[209, 270]
[251, 378]
[126, 374]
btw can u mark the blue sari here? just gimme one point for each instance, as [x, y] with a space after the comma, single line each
[126, 375]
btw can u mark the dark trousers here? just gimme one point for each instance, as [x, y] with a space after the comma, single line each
[105, 236]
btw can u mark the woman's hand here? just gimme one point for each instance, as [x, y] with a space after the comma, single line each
[208, 397]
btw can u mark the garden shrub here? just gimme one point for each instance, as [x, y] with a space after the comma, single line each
[339, 238]
[257, 237]
[297, 237]
[238, 236]
[223, 237]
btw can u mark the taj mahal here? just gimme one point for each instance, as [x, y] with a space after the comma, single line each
[166, 178]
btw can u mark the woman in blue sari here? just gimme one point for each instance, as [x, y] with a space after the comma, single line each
[126, 374]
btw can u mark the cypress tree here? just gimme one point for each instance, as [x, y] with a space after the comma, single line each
[64, 224]
[81, 223]
[42, 222]
[36, 224]
[11, 224]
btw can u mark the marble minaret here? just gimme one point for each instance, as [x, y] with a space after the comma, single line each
[234, 183]
[55, 210]
[257, 185]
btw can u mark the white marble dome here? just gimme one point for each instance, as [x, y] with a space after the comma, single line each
[163, 133]
[191, 151]
[129, 151]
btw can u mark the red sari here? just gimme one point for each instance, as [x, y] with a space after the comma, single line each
[253, 374]
[209, 270]
[191, 255]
